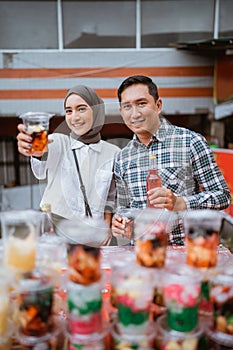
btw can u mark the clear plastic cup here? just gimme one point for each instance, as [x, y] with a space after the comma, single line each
[5, 281]
[167, 338]
[95, 341]
[88, 231]
[52, 252]
[35, 302]
[20, 229]
[181, 292]
[128, 216]
[221, 296]
[151, 234]
[202, 237]
[133, 341]
[85, 308]
[37, 123]
[132, 294]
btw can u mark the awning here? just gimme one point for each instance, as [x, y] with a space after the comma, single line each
[209, 46]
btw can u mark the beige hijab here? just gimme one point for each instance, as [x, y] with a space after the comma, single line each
[97, 105]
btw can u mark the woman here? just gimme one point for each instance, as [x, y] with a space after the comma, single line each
[85, 116]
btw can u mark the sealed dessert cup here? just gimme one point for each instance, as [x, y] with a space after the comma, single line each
[202, 237]
[151, 236]
[181, 292]
[133, 341]
[55, 339]
[167, 339]
[37, 124]
[221, 296]
[35, 303]
[132, 288]
[85, 308]
[5, 283]
[84, 266]
[95, 341]
[20, 229]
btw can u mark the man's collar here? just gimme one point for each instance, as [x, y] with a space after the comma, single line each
[160, 134]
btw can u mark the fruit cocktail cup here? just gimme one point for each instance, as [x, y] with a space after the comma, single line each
[181, 292]
[133, 294]
[221, 296]
[35, 302]
[202, 237]
[85, 308]
[151, 235]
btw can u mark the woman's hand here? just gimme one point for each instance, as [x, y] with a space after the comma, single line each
[25, 143]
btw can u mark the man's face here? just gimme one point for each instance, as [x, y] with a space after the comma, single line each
[139, 110]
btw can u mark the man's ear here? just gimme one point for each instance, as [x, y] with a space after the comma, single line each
[159, 104]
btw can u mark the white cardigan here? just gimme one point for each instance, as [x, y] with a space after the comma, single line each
[63, 189]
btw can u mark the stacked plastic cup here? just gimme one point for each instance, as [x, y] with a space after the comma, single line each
[6, 325]
[37, 326]
[202, 239]
[181, 292]
[132, 294]
[86, 326]
[151, 232]
[220, 332]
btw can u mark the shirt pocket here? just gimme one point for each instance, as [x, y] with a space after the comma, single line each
[178, 179]
[103, 180]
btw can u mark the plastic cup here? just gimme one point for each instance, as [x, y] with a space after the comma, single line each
[20, 230]
[167, 338]
[132, 292]
[181, 292]
[202, 237]
[128, 216]
[133, 341]
[37, 123]
[85, 308]
[151, 234]
[52, 252]
[87, 231]
[221, 296]
[5, 281]
[95, 341]
[35, 302]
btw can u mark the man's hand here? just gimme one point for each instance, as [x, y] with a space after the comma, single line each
[164, 198]
[118, 226]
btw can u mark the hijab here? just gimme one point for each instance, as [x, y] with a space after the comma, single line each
[97, 106]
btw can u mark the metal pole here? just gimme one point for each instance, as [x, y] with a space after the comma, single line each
[216, 18]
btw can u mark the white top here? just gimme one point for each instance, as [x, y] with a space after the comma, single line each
[63, 188]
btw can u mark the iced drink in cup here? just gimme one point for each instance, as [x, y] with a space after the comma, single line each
[202, 237]
[128, 216]
[20, 229]
[37, 124]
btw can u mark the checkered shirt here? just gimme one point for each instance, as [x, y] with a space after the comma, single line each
[185, 164]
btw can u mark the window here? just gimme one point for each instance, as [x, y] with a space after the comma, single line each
[28, 25]
[225, 20]
[99, 24]
[165, 22]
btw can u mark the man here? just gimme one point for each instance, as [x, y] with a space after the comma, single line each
[190, 176]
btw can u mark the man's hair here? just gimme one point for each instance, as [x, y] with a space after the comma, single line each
[139, 79]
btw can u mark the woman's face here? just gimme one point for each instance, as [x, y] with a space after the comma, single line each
[79, 115]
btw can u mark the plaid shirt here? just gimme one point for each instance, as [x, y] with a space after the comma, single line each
[185, 164]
